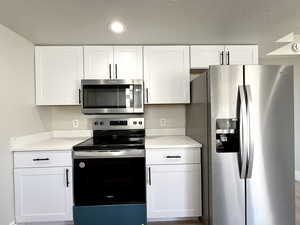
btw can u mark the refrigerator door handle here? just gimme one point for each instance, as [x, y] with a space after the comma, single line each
[243, 133]
[250, 134]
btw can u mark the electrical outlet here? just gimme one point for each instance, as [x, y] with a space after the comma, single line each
[75, 123]
[163, 122]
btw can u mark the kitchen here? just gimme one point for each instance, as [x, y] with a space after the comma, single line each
[53, 119]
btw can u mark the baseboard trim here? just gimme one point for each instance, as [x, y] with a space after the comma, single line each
[297, 175]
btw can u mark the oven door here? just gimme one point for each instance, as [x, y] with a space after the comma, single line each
[109, 180]
[109, 96]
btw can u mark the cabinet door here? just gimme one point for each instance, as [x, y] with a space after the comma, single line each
[202, 56]
[59, 70]
[174, 191]
[167, 74]
[98, 62]
[43, 194]
[241, 54]
[128, 62]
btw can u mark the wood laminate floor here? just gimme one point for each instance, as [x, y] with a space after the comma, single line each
[198, 223]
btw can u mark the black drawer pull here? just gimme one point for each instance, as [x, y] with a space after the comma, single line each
[173, 157]
[41, 159]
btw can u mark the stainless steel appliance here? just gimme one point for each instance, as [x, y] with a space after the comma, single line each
[111, 96]
[109, 174]
[244, 117]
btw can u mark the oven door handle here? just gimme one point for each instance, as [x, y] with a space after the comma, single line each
[131, 153]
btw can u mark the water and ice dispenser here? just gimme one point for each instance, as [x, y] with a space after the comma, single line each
[227, 135]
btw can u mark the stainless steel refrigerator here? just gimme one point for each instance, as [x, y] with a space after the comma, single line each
[244, 117]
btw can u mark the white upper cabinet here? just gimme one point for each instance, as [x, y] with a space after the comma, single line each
[98, 62]
[128, 62]
[166, 74]
[241, 54]
[119, 62]
[204, 55]
[59, 70]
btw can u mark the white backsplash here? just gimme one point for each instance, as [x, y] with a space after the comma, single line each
[168, 117]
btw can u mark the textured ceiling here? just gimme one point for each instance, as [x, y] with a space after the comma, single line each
[151, 21]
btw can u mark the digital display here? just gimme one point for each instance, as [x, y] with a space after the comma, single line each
[118, 123]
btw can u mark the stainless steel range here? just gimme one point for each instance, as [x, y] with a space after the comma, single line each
[109, 174]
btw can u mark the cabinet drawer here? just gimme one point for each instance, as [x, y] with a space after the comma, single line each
[42, 159]
[173, 156]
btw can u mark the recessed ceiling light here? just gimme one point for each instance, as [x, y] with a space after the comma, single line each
[117, 27]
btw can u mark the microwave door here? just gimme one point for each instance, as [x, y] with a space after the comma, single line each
[99, 99]
[111, 96]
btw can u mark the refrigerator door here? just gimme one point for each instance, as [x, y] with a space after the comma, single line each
[227, 188]
[270, 183]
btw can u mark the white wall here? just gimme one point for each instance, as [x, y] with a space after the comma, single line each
[19, 116]
[296, 62]
[62, 117]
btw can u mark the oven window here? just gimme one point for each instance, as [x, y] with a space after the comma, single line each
[109, 181]
[105, 96]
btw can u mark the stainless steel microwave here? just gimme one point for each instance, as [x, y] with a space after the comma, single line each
[111, 96]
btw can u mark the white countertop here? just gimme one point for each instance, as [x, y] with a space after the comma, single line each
[56, 141]
[57, 144]
[174, 141]
[49, 141]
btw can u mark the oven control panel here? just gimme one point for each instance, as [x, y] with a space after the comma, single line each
[118, 124]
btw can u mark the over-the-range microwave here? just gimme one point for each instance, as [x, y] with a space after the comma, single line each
[111, 96]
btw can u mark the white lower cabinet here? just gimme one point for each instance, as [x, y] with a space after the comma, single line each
[173, 190]
[43, 194]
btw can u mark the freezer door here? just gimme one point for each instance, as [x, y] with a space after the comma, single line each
[227, 188]
[270, 183]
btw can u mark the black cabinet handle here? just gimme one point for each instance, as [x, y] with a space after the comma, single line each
[41, 159]
[67, 177]
[173, 157]
[116, 70]
[109, 71]
[222, 58]
[147, 95]
[149, 169]
[228, 58]
[79, 96]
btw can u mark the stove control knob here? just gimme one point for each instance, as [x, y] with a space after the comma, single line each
[81, 165]
[134, 122]
[140, 123]
[101, 123]
[96, 123]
